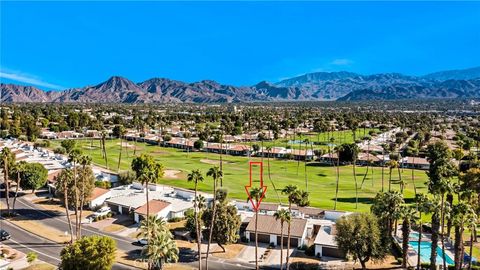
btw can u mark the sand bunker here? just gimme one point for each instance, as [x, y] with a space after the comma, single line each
[127, 145]
[171, 174]
[214, 162]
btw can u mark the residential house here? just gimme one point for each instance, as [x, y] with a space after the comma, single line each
[269, 231]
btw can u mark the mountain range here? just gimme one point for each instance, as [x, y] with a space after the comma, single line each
[342, 86]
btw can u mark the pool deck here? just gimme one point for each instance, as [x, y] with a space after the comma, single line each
[412, 255]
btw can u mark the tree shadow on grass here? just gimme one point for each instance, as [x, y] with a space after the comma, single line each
[363, 200]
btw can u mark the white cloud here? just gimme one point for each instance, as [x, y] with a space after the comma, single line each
[341, 62]
[28, 79]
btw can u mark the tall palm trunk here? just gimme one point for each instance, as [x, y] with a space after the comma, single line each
[256, 239]
[413, 177]
[82, 203]
[75, 185]
[120, 154]
[16, 191]
[298, 157]
[270, 178]
[405, 238]
[458, 247]
[420, 229]
[402, 185]
[435, 228]
[471, 251]
[306, 176]
[148, 220]
[356, 184]
[198, 229]
[7, 184]
[337, 169]
[390, 180]
[288, 237]
[212, 223]
[281, 245]
[383, 170]
[65, 202]
[442, 234]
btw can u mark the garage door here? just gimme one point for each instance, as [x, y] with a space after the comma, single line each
[262, 238]
[332, 252]
[293, 241]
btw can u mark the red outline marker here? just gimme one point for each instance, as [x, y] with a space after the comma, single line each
[264, 188]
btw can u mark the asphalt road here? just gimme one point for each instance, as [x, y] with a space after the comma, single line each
[49, 251]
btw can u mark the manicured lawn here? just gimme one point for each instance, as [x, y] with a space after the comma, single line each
[321, 180]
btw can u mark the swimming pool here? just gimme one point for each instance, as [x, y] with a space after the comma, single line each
[425, 250]
[414, 235]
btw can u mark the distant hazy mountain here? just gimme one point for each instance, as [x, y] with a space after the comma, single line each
[313, 86]
[459, 74]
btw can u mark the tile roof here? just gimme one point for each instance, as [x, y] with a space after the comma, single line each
[154, 205]
[269, 225]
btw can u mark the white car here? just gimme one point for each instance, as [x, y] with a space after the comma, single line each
[143, 241]
[102, 211]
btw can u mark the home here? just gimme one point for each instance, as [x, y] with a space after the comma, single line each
[158, 208]
[98, 197]
[415, 163]
[325, 244]
[365, 159]
[269, 231]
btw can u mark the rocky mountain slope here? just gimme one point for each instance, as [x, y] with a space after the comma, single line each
[343, 85]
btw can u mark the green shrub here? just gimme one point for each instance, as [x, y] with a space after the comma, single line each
[175, 219]
[310, 251]
[109, 215]
[425, 265]
[31, 256]
[400, 260]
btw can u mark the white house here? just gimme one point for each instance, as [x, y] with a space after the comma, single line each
[269, 231]
[98, 197]
[158, 208]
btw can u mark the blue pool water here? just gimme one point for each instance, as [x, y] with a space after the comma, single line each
[425, 250]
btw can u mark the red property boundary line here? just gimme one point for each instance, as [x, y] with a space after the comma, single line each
[256, 205]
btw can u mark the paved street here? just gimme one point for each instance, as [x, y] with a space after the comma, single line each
[49, 251]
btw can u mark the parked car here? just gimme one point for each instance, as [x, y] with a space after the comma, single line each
[102, 211]
[4, 235]
[143, 241]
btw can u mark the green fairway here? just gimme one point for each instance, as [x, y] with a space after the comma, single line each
[321, 180]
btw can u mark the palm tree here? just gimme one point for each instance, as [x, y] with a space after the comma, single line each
[306, 141]
[216, 173]
[6, 162]
[391, 164]
[337, 174]
[256, 195]
[160, 247]
[407, 214]
[147, 171]
[461, 214]
[284, 216]
[121, 133]
[355, 151]
[64, 180]
[85, 161]
[196, 177]
[104, 149]
[269, 150]
[414, 152]
[424, 205]
[295, 196]
[18, 170]
[74, 158]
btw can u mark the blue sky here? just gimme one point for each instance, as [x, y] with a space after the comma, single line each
[56, 45]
